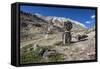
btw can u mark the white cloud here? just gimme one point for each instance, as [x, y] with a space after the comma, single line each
[93, 16]
[88, 22]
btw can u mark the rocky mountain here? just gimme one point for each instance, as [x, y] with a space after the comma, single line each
[32, 23]
[58, 21]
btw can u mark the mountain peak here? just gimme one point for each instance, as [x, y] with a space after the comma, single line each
[56, 19]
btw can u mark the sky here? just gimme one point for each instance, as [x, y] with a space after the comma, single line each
[85, 16]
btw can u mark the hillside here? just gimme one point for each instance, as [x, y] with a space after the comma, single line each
[36, 23]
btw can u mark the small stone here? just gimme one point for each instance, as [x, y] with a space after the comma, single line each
[34, 46]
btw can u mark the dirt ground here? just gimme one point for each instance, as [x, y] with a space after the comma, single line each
[77, 50]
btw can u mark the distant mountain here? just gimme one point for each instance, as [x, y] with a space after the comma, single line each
[31, 23]
[58, 21]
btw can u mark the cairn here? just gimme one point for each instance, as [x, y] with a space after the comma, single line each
[66, 37]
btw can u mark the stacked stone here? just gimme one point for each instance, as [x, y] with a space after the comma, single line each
[67, 33]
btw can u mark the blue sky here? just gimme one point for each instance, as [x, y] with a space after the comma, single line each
[85, 16]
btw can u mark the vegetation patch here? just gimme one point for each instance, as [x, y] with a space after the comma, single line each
[36, 56]
[56, 57]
